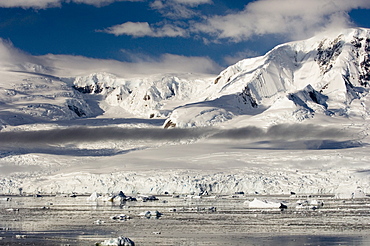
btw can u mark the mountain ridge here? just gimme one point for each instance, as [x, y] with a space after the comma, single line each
[326, 75]
[319, 75]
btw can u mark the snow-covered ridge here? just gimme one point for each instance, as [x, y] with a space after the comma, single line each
[332, 70]
[36, 90]
[153, 96]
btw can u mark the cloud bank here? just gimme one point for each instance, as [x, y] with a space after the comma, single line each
[85, 134]
[66, 65]
[171, 9]
[43, 4]
[281, 132]
[178, 6]
[178, 9]
[14, 59]
[142, 29]
[294, 18]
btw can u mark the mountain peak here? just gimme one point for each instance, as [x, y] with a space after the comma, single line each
[321, 75]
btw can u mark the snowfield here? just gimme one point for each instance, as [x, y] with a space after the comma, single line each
[151, 171]
[294, 120]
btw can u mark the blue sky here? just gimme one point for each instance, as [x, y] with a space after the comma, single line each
[219, 32]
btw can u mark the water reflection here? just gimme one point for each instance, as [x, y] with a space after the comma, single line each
[183, 221]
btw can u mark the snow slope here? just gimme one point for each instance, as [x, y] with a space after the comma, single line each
[325, 75]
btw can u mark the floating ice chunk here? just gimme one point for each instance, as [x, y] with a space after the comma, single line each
[309, 204]
[120, 217]
[148, 198]
[359, 194]
[316, 203]
[94, 196]
[265, 204]
[151, 214]
[120, 241]
[110, 198]
[193, 197]
[350, 194]
[98, 222]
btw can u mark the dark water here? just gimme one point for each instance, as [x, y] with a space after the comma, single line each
[61, 238]
[75, 221]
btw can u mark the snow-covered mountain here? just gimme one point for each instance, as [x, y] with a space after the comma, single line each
[148, 97]
[327, 75]
[35, 89]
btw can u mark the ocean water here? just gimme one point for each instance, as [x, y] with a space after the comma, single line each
[184, 220]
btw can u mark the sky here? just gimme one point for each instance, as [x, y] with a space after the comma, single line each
[179, 35]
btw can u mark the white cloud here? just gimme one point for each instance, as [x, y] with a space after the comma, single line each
[39, 4]
[173, 9]
[232, 59]
[142, 29]
[193, 2]
[169, 63]
[178, 9]
[136, 29]
[66, 65]
[294, 18]
[12, 58]
[43, 4]
[179, 5]
[99, 3]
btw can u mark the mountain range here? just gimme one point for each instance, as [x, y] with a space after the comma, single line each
[327, 75]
